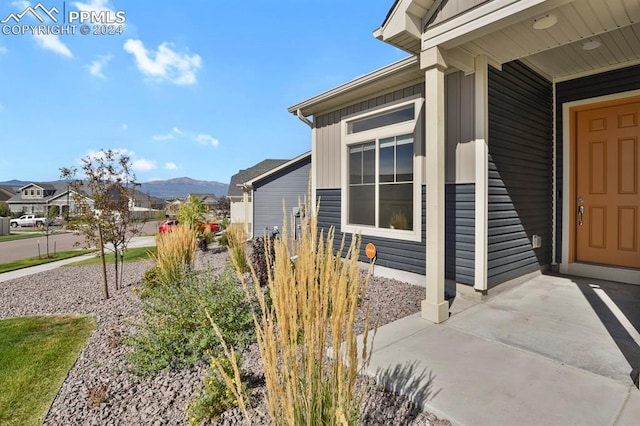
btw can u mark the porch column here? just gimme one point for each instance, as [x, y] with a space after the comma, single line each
[434, 307]
[245, 208]
[482, 172]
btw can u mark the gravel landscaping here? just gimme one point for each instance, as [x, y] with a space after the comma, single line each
[100, 390]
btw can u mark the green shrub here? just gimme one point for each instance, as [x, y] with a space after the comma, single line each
[214, 397]
[175, 331]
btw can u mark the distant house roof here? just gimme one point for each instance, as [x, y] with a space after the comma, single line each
[246, 175]
[6, 192]
[282, 166]
[202, 196]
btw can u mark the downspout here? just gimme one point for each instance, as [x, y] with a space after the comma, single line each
[304, 119]
[554, 174]
[313, 177]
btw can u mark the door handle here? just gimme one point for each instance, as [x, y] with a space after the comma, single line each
[580, 213]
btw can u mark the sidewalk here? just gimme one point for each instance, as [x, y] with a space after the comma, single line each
[147, 241]
[544, 353]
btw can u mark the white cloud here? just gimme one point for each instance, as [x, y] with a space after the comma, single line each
[162, 137]
[95, 67]
[143, 165]
[201, 138]
[96, 5]
[170, 166]
[124, 126]
[52, 42]
[3, 50]
[165, 63]
[20, 4]
[206, 139]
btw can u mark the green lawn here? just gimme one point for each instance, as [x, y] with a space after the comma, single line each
[131, 255]
[36, 353]
[21, 236]
[34, 261]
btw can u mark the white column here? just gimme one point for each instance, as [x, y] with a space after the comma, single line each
[434, 307]
[482, 171]
[245, 208]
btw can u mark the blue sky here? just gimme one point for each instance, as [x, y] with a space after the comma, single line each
[196, 88]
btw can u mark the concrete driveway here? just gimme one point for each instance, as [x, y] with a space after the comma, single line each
[552, 351]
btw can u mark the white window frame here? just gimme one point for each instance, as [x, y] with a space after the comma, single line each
[407, 127]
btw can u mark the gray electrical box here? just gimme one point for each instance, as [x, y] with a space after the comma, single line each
[536, 241]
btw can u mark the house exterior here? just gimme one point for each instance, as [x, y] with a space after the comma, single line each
[208, 200]
[505, 145]
[40, 197]
[241, 195]
[283, 187]
[6, 192]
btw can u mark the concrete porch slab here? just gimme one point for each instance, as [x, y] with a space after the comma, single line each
[543, 353]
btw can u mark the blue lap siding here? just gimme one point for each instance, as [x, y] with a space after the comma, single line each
[410, 255]
[520, 172]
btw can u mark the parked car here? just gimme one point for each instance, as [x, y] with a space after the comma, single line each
[214, 227]
[29, 220]
[167, 225]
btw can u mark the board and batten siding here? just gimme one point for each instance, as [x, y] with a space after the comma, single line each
[452, 8]
[329, 139]
[520, 172]
[290, 185]
[608, 83]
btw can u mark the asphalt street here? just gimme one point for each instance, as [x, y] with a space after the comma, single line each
[60, 241]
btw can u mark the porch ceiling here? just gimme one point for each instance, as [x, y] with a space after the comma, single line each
[557, 51]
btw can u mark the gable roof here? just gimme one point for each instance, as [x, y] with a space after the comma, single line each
[283, 166]
[368, 85]
[246, 175]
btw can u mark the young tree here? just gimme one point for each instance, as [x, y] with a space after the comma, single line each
[4, 209]
[104, 196]
[192, 212]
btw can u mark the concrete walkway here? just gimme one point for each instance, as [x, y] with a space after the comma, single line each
[146, 241]
[553, 351]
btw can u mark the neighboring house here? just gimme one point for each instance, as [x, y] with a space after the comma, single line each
[283, 187]
[241, 195]
[6, 192]
[507, 144]
[38, 198]
[173, 207]
[208, 200]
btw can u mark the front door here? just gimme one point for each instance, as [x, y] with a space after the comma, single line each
[607, 205]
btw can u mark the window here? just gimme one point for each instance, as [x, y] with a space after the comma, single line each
[383, 119]
[393, 158]
[381, 188]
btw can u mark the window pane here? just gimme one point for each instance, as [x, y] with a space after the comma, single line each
[396, 206]
[404, 160]
[355, 164]
[369, 163]
[362, 205]
[380, 120]
[387, 159]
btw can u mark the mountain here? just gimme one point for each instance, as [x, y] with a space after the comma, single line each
[172, 188]
[180, 187]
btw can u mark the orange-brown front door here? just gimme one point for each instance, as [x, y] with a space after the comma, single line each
[607, 207]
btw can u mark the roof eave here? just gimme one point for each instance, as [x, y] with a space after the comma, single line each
[309, 106]
[277, 169]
